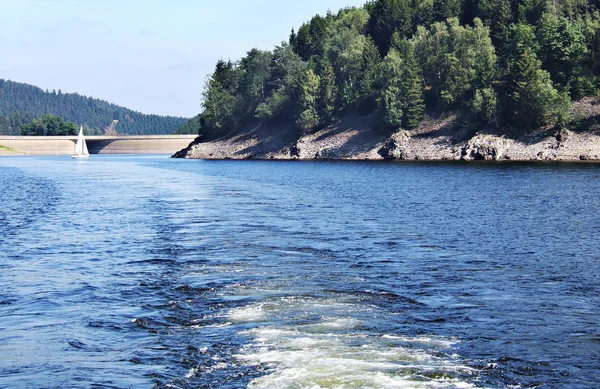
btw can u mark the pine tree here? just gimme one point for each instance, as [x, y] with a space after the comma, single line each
[367, 90]
[533, 100]
[498, 15]
[444, 9]
[412, 85]
[326, 101]
[386, 17]
[401, 101]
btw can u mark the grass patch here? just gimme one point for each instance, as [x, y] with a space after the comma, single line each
[8, 149]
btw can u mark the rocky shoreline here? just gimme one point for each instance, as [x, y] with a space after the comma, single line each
[437, 139]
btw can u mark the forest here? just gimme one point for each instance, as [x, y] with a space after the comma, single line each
[25, 105]
[507, 63]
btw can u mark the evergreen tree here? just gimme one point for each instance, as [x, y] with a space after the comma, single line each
[386, 17]
[444, 9]
[326, 102]
[221, 99]
[484, 56]
[533, 100]
[528, 11]
[401, 101]
[497, 14]
[412, 87]
[367, 89]
[21, 100]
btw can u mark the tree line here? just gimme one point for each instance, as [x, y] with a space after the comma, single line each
[22, 103]
[18, 124]
[516, 63]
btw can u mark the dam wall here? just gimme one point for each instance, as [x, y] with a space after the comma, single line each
[65, 145]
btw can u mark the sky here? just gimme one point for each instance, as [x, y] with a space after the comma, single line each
[152, 56]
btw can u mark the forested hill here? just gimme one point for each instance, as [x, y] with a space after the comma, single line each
[511, 63]
[20, 103]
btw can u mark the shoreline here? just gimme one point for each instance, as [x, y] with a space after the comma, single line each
[446, 138]
[481, 149]
[344, 143]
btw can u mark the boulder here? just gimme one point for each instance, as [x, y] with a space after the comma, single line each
[482, 148]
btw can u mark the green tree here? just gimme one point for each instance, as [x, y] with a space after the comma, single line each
[49, 125]
[326, 102]
[401, 100]
[528, 11]
[21, 103]
[311, 39]
[533, 100]
[485, 105]
[367, 86]
[255, 73]
[347, 56]
[352, 18]
[455, 60]
[386, 17]
[497, 14]
[422, 13]
[306, 94]
[284, 67]
[444, 9]
[220, 99]
[562, 48]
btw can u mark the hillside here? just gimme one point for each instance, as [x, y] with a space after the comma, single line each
[20, 103]
[514, 66]
[191, 127]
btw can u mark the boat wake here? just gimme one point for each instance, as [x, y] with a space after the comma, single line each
[308, 342]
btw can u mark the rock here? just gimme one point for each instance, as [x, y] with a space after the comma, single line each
[546, 156]
[295, 150]
[434, 141]
[388, 150]
[562, 136]
[480, 148]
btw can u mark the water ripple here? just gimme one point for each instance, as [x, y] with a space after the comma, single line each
[193, 274]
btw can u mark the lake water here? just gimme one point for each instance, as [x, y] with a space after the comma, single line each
[140, 272]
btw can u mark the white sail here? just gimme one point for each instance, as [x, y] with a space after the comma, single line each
[81, 150]
[85, 149]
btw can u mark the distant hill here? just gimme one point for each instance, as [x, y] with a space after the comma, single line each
[23, 100]
[191, 127]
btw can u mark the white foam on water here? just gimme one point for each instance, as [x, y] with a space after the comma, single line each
[434, 341]
[338, 323]
[192, 373]
[250, 313]
[334, 351]
[340, 361]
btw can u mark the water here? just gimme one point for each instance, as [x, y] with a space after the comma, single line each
[140, 272]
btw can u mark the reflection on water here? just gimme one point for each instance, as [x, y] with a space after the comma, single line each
[144, 271]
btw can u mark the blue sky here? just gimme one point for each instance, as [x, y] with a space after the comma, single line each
[149, 55]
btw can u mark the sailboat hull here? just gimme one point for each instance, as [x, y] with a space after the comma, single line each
[80, 156]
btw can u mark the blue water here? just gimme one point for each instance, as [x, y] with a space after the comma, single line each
[141, 272]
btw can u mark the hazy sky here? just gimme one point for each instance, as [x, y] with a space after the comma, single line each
[147, 55]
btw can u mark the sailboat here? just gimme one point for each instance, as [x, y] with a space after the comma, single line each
[81, 150]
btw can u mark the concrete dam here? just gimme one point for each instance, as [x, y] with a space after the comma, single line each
[65, 145]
